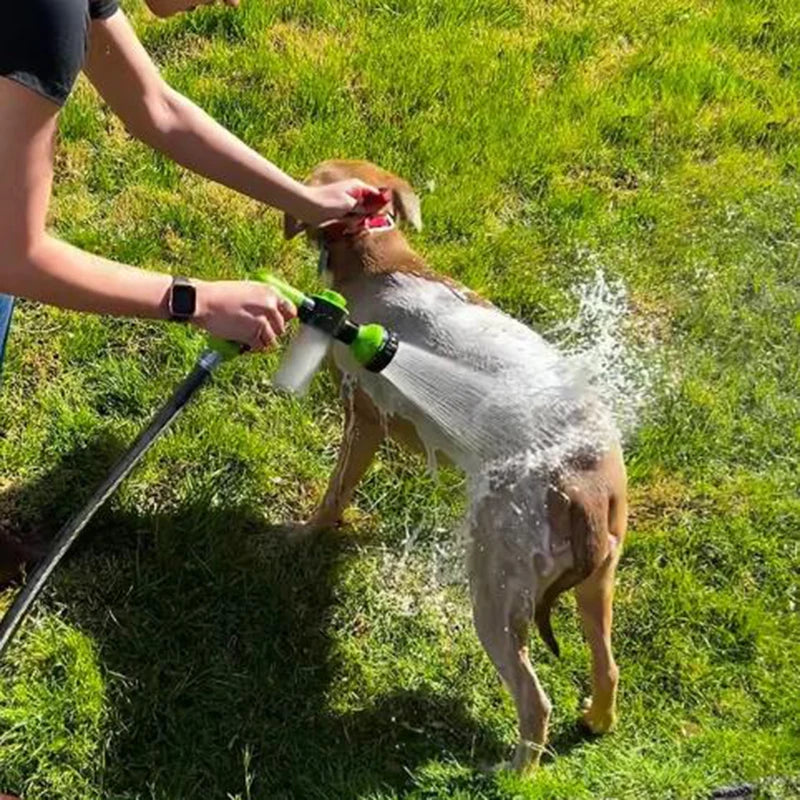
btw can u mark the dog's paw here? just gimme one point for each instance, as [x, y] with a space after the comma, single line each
[526, 757]
[525, 760]
[305, 531]
[598, 720]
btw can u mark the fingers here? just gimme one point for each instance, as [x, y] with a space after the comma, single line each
[287, 309]
[359, 191]
[248, 312]
[275, 319]
[357, 188]
[277, 312]
[369, 199]
[263, 336]
[267, 334]
[335, 201]
[278, 301]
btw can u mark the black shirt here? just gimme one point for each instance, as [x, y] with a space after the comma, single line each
[43, 43]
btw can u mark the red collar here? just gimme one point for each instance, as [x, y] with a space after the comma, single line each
[345, 229]
[375, 217]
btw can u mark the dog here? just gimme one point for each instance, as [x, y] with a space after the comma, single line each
[535, 530]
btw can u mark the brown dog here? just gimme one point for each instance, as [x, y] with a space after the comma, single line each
[535, 530]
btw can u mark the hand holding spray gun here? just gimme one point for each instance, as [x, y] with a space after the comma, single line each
[324, 319]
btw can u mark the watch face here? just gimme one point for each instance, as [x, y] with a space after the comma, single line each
[183, 300]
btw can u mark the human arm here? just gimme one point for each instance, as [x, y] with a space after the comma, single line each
[153, 112]
[38, 266]
[168, 8]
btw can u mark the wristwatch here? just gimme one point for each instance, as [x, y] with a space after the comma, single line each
[182, 299]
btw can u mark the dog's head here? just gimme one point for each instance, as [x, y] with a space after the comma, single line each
[404, 203]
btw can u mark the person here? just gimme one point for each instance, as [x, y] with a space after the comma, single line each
[44, 44]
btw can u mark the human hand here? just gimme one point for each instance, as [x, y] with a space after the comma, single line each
[333, 201]
[168, 8]
[247, 312]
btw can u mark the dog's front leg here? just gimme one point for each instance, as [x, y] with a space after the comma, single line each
[363, 434]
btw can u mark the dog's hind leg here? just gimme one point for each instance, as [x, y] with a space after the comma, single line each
[363, 434]
[595, 597]
[502, 610]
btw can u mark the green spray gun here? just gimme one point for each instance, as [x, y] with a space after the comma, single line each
[324, 318]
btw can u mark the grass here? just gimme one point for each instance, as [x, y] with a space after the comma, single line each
[187, 650]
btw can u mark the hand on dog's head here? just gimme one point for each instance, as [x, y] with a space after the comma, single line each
[404, 204]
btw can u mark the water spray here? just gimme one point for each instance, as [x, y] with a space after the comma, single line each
[324, 319]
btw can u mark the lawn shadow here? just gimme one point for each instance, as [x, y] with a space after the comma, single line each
[32, 513]
[213, 632]
[569, 737]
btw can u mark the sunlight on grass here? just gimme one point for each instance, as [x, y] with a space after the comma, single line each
[188, 650]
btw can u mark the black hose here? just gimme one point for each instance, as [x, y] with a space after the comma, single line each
[741, 790]
[70, 532]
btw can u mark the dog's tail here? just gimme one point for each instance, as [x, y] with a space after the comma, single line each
[589, 529]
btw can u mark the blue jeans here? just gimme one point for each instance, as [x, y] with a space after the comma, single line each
[6, 308]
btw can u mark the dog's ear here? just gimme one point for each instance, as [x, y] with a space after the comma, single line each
[406, 203]
[291, 226]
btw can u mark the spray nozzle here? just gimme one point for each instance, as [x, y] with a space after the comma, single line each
[371, 345]
[374, 347]
[325, 317]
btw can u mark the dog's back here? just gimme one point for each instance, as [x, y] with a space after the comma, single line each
[502, 377]
[442, 317]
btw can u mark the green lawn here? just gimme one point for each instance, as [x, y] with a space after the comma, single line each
[187, 650]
